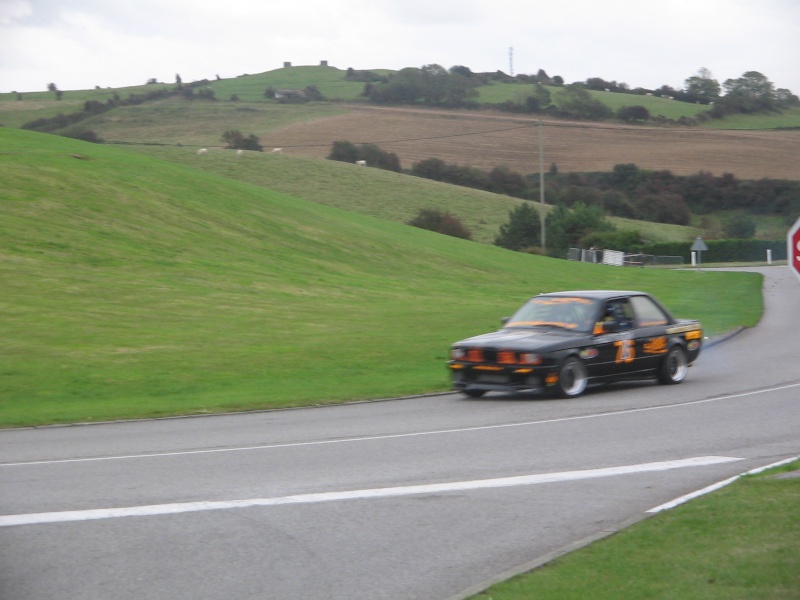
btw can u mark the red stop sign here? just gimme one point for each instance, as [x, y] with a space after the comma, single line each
[793, 240]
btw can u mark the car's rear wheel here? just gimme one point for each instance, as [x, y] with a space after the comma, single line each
[474, 393]
[572, 379]
[674, 367]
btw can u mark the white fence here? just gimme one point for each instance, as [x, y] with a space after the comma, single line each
[621, 259]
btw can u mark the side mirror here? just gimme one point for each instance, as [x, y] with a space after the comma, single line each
[504, 320]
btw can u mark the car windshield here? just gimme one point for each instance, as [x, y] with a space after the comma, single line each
[566, 312]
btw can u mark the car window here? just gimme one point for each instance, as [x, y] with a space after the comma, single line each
[557, 311]
[648, 312]
[619, 310]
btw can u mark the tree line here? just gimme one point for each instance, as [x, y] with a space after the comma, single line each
[582, 201]
[434, 85]
[197, 90]
[626, 191]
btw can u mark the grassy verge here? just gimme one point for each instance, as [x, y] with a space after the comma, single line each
[134, 287]
[741, 542]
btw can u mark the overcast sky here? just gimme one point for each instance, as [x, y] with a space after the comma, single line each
[80, 44]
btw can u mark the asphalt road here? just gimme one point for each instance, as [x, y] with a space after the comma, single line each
[419, 498]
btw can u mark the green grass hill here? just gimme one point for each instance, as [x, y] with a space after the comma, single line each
[132, 286]
[25, 106]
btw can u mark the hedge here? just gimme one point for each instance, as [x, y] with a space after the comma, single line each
[722, 250]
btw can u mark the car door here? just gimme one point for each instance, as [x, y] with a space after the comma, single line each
[614, 339]
[651, 338]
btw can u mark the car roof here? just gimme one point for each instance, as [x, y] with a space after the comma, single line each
[596, 294]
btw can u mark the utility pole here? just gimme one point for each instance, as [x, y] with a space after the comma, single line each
[541, 188]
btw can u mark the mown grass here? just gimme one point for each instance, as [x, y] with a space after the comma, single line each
[380, 194]
[199, 123]
[330, 81]
[741, 542]
[135, 287]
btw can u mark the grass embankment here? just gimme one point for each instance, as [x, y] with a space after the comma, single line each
[739, 543]
[378, 193]
[134, 287]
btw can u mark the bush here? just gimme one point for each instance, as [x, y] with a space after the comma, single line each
[632, 114]
[86, 135]
[739, 226]
[345, 151]
[440, 222]
[723, 250]
[235, 140]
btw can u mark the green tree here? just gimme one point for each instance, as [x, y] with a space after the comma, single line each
[523, 229]
[370, 153]
[567, 228]
[51, 87]
[627, 240]
[504, 181]
[430, 168]
[752, 92]
[576, 100]
[738, 226]
[344, 151]
[542, 95]
[404, 87]
[702, 87]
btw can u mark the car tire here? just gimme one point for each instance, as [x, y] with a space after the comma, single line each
[474, 393]
[572, 379]
[673, 367]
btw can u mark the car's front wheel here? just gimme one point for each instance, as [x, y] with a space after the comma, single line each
[674, 367]
[572, 379]
[474, 393]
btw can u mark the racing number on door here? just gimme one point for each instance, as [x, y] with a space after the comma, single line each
[625, 351]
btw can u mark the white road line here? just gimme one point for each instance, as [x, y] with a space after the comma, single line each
[715, 486]
[185, 507]
[400, 435]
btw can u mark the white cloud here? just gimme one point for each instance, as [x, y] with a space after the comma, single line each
[83, 43]
[12, 11]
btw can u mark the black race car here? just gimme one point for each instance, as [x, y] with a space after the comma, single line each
[564, 341]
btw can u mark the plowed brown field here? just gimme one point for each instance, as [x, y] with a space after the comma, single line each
[486, 140]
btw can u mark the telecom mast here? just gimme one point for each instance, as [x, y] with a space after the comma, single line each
[511, 61]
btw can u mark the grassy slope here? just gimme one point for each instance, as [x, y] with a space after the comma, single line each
[199, 123]
[132, 286]
[380, 194]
